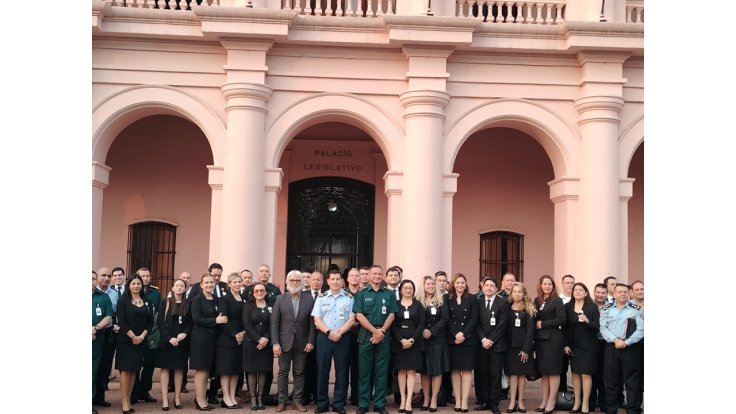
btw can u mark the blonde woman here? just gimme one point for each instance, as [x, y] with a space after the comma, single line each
[175, 322]
[463, 339]
[520, 339]
[228, 351]
[436, 357]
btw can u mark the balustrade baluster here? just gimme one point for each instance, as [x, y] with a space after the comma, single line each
[339, 11]
[560, 9]
[629, 10]
[379, 7]
[319, 11]
[390, 8]
[547, 14]
[370, 12]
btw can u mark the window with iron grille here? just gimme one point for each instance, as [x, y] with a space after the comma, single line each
[501, 252]
[152, 244]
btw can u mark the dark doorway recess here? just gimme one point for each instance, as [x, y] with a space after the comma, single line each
[330, 221]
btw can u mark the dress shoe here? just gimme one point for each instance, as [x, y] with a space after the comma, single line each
[299, 407]
[463, 410]
[102, 403]
[148, 398]
[511, 409]
[482, 407]
[380, 410]
[539, 409]
[164, 408]
[548, 412]
[575, 411]
[457, 409]
[177, 406]
[319, 410]
[495, 409]
[280, 407]
[200, 408]
[424, 408]
[401, 410]
[432, 410]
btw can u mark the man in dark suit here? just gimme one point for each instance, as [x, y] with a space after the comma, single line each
[494, 313]
[292, 336]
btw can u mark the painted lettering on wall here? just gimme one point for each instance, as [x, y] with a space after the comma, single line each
[325, 161]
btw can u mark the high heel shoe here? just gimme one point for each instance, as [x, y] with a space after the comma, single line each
[457, 409]
[432, 409]
[574, 411]
[548, 412]
[205, 408]
[401, 410]
[511, 409]
[463, 410]
[164, 408]
[424, 408]
[177, 406]
[522, 410]
[539, 409]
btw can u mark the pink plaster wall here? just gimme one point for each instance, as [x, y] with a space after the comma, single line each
[503, 186]
[636, 217]
[159, 173]
[307, 158]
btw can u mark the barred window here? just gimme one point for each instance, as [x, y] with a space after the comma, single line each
[501, 252]
[152, 244]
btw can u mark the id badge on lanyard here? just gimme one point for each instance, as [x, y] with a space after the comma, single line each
[383, 308]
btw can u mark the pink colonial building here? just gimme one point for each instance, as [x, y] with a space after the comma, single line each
[458, 135]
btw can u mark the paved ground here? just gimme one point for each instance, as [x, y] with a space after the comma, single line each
[532, 399]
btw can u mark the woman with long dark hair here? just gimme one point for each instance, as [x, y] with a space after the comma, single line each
[257, 350]
[205, 316]
[406, 342]
[549, 340]
[463, 339]
[175, 323]
[581, 343]
[135, 321]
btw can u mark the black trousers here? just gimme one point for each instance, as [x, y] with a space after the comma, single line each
[310, 373]
[623, 367]
[598, 392]
[103, 375]
[353, 368]
[144, 378]
[491, 363]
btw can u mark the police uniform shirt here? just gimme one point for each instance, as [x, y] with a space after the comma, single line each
[615, 323]
[101, 307]
[112, 294]
[375, 305]
[502, 293]
[333, 310]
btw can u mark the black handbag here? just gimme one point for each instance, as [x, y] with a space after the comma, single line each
[565, 400]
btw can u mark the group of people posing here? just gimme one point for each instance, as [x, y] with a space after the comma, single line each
[378, 330]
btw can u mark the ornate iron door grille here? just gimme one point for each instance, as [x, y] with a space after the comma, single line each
[501, 252]
[152, 244]
[330, 221]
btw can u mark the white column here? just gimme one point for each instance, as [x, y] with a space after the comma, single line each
[100, 180]
[274, 179]
[564, 194]
[448, 194]
[422, 194]
[214, 179]
[393, 185]
[243, 184]
[601, 100]
[626, 191]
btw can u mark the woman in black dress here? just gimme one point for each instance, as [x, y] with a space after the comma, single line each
[228, 351]
[549, 340]
[581, 343]
[205, 317]
[135, 321]
[463, 340]
[406, 342]
[257, 351]
[175, 323]
[436, 358]
[520, 341]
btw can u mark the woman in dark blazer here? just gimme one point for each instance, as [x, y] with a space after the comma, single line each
[206, 316]
[436, 356]
[135, 321]
[549, 340]
[228, 351]
[520, 342]
[257, 352]
[582, 344]
[406, 342]
[463, 340]
[175, 323]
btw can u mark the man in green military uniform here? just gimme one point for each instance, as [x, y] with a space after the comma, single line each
[374, 308]
[101, 317]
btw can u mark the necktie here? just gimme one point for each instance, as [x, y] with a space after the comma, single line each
[314, 294]
[119, 292]
[488, 304]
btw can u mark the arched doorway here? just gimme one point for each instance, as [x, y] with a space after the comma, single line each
[330, 220]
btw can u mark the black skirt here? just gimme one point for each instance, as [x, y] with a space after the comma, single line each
[584, 361]
[173, 357]
[436, 359]
[129, 357]
[513, 364]
[549, 355]
[255, 360]
[202, 350]
[464, 357]
[228, 360]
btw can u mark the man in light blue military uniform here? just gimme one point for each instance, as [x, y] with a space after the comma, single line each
[622, 327]
[333, 317]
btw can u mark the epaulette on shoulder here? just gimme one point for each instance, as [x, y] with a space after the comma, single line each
[634, 305]
[153, 287]
[348, 293]
[607, 306]
[321, 294]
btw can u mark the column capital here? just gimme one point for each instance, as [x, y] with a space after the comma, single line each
[393, 182]
[449, 184]
[214, 178]
[599, 108]
[240, 95]
[564, 189]
[424, 102]
[100, 175]
[274, 176]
